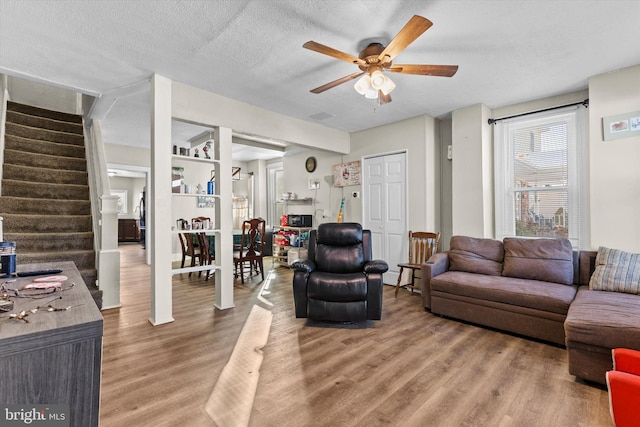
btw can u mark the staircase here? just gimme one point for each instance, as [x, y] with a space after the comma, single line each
[45, 193]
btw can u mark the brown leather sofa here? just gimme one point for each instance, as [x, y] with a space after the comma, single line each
[536, 288]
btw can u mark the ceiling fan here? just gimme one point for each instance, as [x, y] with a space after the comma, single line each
[376, 58]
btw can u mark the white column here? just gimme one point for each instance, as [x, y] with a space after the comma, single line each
[109, 254]
[160, 198]
[224, 218]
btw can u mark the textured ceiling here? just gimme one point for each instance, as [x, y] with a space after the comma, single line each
[251, 51]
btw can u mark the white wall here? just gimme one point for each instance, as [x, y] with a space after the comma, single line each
[205, 106]
[43, 96]
[296, 180]
[419, 136]
[472, 172]
[134, 187]
[127, 155]
[614, 165]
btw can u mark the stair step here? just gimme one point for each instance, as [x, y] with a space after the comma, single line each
[45, 194]
[41, 112]
[43, 122]
[41, 174]
[25, 158]
[50, 242]
[21, 223]
[52, 192]
[43, 134]
[31, 205]
[39, 147]
[89, 276]
[83, 259]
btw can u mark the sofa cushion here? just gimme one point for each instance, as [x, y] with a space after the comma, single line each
[476, 255]
[604, 319]
[534, 294]
[616, 271]
[548, 260]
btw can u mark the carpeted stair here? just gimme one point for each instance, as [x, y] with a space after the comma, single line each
[45, 192]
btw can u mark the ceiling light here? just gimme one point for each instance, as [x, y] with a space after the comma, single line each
[377, 79]
[371, 93]
[363, 84]
[387, 86]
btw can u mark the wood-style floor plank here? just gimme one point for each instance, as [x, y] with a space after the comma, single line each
[409, 369]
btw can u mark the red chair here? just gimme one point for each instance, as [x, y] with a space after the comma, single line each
[624, 387]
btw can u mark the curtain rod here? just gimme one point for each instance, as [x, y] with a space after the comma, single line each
[585, 103]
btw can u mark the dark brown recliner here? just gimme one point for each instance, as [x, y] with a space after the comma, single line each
[339, 281]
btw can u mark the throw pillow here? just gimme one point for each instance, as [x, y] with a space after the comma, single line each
[476, 255]
[548, 260]
[616, 271]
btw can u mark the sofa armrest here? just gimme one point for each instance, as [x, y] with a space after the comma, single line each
[437, 264]
[587, 265]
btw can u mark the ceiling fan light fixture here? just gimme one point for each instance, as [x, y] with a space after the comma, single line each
[377, 79]
[363, 84]
[371, 93]
[387, 86]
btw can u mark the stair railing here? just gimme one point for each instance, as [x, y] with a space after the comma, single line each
[4, 97]
[105, 216]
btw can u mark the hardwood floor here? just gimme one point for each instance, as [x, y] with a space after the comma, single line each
[409, 369]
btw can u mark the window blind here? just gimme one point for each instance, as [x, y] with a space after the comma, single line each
[540, 172]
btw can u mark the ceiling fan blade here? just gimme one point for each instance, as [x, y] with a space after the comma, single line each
[383, 99]
[411, 31]
[326, 50]
[336, 82]
[425, 70]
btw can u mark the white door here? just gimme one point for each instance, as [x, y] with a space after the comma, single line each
[385, 209]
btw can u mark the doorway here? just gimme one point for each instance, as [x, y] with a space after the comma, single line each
[384, 186]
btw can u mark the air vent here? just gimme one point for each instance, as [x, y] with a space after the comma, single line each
[322, 116]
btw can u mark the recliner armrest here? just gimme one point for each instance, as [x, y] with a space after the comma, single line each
[303, 264]
[377, 266]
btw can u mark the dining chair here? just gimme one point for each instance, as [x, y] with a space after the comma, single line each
[207, 251]
[251, 247]
[189, 249]
[422, 245]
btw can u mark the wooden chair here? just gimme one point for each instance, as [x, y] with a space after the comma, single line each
[207, 252]
[189, 249]
[422, 245]
[251, 247]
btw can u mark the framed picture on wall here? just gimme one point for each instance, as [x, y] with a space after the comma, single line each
[345, 174]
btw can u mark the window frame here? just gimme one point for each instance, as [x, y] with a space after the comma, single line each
[577, 191]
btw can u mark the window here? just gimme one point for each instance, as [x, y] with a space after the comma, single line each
[275, 188]
[540, 175]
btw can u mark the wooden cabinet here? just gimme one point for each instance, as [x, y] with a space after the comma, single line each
[56, 357]
[128, 230]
